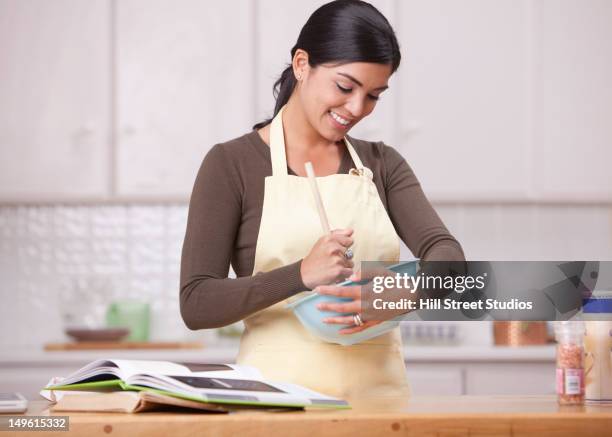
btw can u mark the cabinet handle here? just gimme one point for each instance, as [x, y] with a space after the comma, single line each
[82, 135]
[128, 130]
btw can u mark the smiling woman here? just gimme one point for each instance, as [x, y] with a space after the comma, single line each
[251, 208]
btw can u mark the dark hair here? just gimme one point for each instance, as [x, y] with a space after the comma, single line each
[340, 32]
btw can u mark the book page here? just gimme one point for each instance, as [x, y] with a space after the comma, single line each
[130, 368]
[124, 369]
[238, 391]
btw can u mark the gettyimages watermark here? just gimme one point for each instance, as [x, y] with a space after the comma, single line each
[485, 290]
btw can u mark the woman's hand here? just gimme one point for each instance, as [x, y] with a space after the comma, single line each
[356, 305]
[352, 307]
[326, 263]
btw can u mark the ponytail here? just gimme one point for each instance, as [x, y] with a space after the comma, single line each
[281, 90]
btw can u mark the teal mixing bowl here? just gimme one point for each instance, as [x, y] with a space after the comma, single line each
[305, 309]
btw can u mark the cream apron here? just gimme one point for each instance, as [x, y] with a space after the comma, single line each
[274, 341]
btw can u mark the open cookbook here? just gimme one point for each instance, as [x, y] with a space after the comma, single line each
[138, 385]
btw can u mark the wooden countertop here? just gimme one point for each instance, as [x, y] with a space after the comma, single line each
[417, 416]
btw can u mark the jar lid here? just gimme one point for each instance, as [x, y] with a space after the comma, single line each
[597, 306]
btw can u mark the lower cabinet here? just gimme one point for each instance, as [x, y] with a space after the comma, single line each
[510, 379]
[427, 376]
[434, 380]
[29, 380]
[483, 378]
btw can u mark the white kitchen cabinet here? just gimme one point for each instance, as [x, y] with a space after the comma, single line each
[55, 92]
[184, 83]
[481, 370]
[573, 99]
[435, 380]
[506, 100]
[30, 380]
[481, 378]
[510, 379]
[464, 115]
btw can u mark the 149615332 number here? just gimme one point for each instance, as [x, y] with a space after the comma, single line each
[31, 423]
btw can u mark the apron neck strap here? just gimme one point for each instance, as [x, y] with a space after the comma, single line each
[351, 149]
[277, 147]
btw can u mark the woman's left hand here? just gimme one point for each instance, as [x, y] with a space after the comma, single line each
[351, 307]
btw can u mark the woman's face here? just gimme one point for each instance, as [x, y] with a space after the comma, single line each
[335, 98]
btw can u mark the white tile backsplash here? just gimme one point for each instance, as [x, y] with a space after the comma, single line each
[52, 257]
[519, 233]
[481, 233]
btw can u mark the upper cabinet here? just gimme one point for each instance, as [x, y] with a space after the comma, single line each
[573, 100]
[54, 99]
[277, 26]
[184, 83]
[507, 100]
[494, 101]
[464, 106]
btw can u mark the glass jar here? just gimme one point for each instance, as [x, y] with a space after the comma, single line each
[570, 362]
[597, 316]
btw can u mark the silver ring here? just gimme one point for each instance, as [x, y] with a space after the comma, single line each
[357, 320]
[349, 253]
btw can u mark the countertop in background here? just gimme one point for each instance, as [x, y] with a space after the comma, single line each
[226, 353]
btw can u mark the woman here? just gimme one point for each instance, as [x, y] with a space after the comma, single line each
[252, 207]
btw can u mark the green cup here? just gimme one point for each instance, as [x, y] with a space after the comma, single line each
[133, 315]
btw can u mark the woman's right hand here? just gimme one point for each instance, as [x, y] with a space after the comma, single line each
[326, 263]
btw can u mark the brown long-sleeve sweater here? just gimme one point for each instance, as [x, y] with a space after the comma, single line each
[225, 213]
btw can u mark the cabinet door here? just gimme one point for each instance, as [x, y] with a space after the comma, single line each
[573, 117]
[54, 99]
[464, 106]
[184, 83]
[29, 378]
[433, 379]
[510, 379]
[274, 55]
